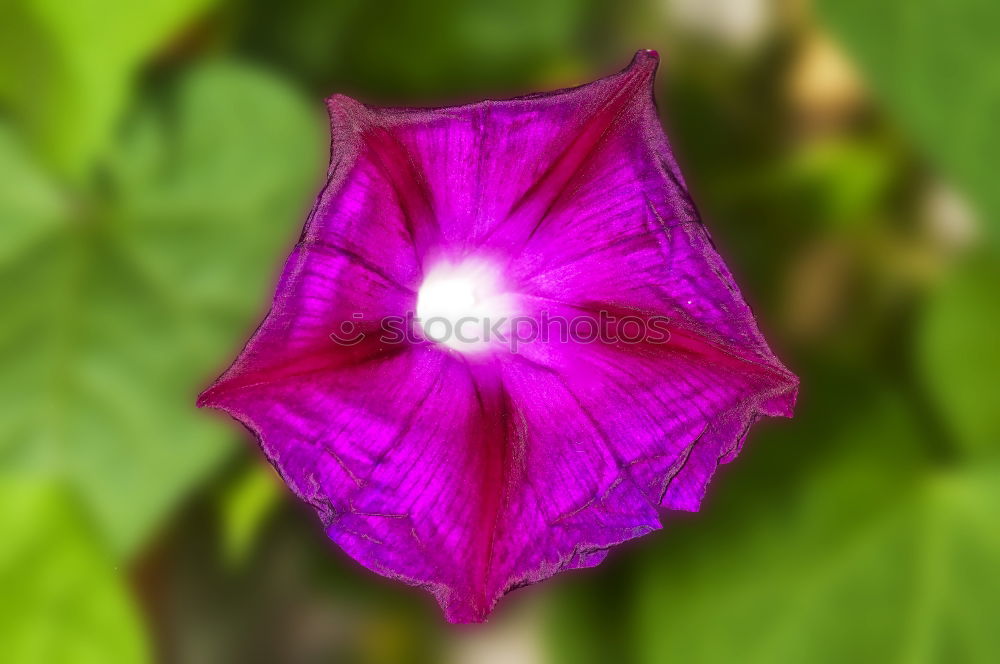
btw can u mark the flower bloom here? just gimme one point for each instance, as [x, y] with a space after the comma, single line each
[464, 465]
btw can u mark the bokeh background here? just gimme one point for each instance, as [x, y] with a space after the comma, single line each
[156, 162]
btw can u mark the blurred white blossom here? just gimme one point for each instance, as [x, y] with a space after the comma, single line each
[740, 24]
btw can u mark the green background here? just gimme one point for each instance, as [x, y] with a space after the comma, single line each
[157, 159]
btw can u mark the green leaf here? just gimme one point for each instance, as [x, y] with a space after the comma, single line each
[935, 65]
[137, 301]
[830, 539]
[244, 508]
[222, 200]
[64, 599]
[66, 67]
[841, 181]
[30, 205]
[870, 556]
[959, 354]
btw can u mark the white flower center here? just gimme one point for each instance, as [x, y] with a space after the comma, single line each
[457, 305]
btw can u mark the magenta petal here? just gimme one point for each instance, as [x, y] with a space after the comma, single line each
[471, 475]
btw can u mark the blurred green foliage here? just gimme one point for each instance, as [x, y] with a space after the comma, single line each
[244, 508]
[960, 356]
[933, 63]
[63, 601]
[66, 68]
[158, 159]
[863, 549]
[138, 288]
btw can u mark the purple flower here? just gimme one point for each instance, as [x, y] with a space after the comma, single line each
[474, 463]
